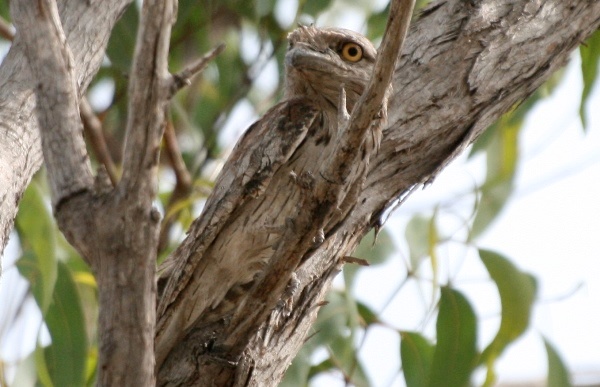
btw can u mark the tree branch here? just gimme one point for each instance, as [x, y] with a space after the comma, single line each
[372, 105]
[91, 123]
[87, 32]
[183, 78]
[183, 184]
[5, 30]
[460, 69]
[116, 230]
[57, 98]
[149, 89]
[93, 129]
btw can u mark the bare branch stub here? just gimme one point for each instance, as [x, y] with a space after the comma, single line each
[183, 78]
[5, 30]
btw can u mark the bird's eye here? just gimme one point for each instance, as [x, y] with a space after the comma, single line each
[351, 52]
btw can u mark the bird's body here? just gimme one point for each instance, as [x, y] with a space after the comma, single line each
[257, 191]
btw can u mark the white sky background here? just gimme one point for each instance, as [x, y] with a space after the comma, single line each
[550, 228]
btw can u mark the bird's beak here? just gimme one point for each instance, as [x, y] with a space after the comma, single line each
[301, 57]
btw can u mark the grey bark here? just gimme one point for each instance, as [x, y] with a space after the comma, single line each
[87, 28]
[115, 229]
[463, 64]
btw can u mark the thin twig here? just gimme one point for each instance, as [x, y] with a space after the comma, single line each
[358, 261]
[5, 30]
[174, 154]
[183, 185]
[182, 79]
[93, 130]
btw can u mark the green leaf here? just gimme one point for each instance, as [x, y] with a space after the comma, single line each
[455, 355]
[558, 375]
[367, 315]
[37, 233]
[5, 10]
[417, 237]
[66, 356]
[416, 353]
[590, 55]
[41, 368]
[502, 156]
[91, 366]
[517, 292]
[423, 237]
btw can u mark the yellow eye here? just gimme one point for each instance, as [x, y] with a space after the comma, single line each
[352, 52]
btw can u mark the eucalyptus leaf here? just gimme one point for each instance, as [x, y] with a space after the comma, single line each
[558, 375]
[66, 356]
[37, 234]
[455, 355]
[590, 55]
[517, 293]
[416, 353]
[502, 156]
[417, 237]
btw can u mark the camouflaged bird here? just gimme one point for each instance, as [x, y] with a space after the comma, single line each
[267, 182]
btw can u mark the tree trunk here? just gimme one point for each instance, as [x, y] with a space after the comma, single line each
[464, 63]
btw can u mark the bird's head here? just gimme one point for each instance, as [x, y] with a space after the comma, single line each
[320, 60]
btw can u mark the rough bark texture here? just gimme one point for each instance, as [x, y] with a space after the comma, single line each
[115, 229]
[87, 27]
[463, 64]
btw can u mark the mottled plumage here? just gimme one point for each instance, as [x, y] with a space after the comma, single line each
[256, 192]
